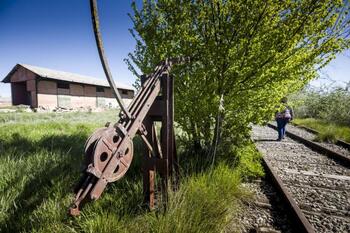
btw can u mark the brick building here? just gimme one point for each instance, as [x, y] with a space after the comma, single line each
[41, 87]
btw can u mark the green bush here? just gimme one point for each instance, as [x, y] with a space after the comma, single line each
[332, 105]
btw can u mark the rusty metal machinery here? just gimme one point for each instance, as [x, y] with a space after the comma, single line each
[109, 150]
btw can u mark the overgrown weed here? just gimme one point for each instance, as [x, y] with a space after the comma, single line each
[328, 132]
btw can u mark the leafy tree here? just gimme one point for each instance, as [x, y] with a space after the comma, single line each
[246, 55]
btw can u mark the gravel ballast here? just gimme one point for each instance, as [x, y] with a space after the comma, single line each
[319, 185]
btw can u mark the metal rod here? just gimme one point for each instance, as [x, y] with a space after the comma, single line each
[98, 38]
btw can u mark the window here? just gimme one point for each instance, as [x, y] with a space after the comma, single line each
[124, 92]
[63, 85]
[100, 89]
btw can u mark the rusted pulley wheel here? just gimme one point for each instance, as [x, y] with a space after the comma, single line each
[91, 143]
[104, 149]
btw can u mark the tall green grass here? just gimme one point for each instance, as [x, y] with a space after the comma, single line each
[327, 131]
[40, 161]
[74, 117]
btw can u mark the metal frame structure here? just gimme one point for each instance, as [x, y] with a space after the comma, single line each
[160, 153]
[109, 150]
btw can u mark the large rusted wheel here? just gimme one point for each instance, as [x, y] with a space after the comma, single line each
[103, 150]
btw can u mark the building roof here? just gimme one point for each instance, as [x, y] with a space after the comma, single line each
[64, 76]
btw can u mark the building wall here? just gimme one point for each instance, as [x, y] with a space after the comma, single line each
[28, 88]
[34, 99]
[47, 100]
[76, 89]
[47, 94]
[89, 91]
[82, 101]
[47, 87]
[31, 85]
[23, 87]
[126, 94]
[20, 94]
[78, 95]
[22, 74]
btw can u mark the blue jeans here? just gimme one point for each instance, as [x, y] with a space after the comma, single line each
[281, 127]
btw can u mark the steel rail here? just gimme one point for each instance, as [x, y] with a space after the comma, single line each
[301, 222]
[316, 147]
[99, 43]
[338, 142]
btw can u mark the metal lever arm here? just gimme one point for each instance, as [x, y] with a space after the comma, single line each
[98, 38]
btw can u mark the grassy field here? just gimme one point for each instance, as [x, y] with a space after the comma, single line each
[40, 161]
[328, 131]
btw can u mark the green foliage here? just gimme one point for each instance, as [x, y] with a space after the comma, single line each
[326, 136]
[331, 104]
[249, 162]
[249, 53]
[205, 203]
[328, 131]
[40, 162]
[76, 117]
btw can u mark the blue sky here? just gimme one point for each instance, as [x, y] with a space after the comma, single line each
[337, 72]
[58, 35]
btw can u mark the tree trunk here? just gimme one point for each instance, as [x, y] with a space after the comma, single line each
[217, 132]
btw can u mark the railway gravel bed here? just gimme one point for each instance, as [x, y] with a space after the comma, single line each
[310, 136]
[266, 213]
[319, 185]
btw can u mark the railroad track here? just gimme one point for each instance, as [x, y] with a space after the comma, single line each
[339, 151]
[313, 180]
[314, 133]
[266, 213]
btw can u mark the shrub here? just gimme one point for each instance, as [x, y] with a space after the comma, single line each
[332, 105]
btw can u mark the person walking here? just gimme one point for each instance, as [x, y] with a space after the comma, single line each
[282, 118]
